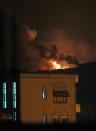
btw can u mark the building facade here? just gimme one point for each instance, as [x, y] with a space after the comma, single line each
[38, 98]
[9, 100]
[48, 98]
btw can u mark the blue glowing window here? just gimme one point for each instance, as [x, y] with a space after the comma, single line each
[14, 94]
[4, 96]
[14, 116]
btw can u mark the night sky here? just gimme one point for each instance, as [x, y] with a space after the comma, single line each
[70, 25]
[76, 18]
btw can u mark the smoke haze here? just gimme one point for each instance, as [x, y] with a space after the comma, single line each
[36, 50]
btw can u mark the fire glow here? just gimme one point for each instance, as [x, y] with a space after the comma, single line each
[59, 66]
[56, 65]
[45, 54]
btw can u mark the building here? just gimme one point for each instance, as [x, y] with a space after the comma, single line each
[32, 97]
[40, 97]
[9, 96]
[47, 98]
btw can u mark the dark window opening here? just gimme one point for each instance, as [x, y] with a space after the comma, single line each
[60, 94]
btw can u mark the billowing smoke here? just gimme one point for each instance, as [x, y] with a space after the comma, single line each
[28, 34]
[83, 51]
[36, 51]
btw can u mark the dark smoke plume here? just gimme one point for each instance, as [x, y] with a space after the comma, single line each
[35, 53]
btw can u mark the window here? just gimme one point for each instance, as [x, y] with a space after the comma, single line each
[77, 108]
[60, 93]
[55, 117]
[14, 94]
[44, 94]
[4, 96]
[60, 96]
[14, 100]
[14, 116]
[64, 117]
[44, 117]
[77, 78]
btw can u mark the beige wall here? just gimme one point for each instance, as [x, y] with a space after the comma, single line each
[31, 103]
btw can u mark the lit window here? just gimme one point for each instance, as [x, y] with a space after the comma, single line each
[14, 94]
[14, 116]
[44, 93]
[78, 108]
[77, 78]
[4, 96]
[44, 117]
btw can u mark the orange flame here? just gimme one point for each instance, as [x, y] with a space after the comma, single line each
[62, 65]
[56, 65]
